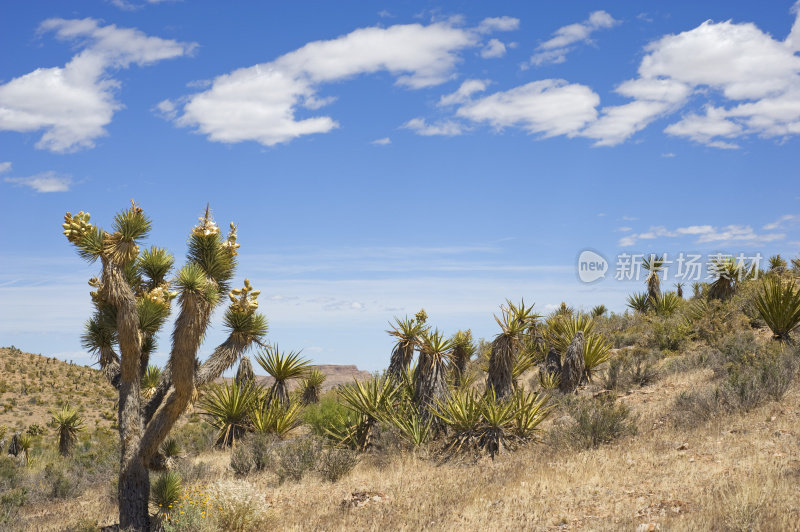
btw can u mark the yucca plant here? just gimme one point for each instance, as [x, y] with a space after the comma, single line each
[276, 418]
[228, 407]
[679, 289]
[166, 491]
[150, 380]
[598, 311]
[728, 273]
[697, 289]
[639, 302]
[24, 446]
[777, 264]
[562, 329]
[413, 427]
[549, 381]
[282, 367]
[407, 332]
[430, 379]
[463, 351]
[68, 423]
[654, 264]
[311, 386]
[531, 410]
[514, 322]
[778, 303]
[666, 304]
[596, 351]
[171, 450]
[370, 401]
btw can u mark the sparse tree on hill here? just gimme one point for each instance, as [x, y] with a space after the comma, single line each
[132, 300]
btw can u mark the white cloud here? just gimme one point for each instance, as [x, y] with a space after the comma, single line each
[447, 128]
[494, 48]
[706, 234]
[385, 141]
[44, 182]
[491, 24]
[550, 107]
[5, 167]
[261, 102]
[464, 92]
[555, 49]
[757, 75]
[74, 103]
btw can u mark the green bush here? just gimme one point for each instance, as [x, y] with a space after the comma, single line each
[319, 416]
[165, 491]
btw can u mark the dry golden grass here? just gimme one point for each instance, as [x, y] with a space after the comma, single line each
[739, 472]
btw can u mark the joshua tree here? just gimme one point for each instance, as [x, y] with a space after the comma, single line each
[654, 265]
[506, 346]
[463, 350]
[728, 273]
[132, 302]
[598, 311]
[407, 332]
[573, 368]
[430, 379]
[282, 367]
[68, 423]
[311, 385]
[679, 289]
[245, 371]
[697, 289]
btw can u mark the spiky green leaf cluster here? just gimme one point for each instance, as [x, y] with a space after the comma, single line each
[778, 304]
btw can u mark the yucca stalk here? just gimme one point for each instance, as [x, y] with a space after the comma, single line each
[430, 379]
[679, 289]
[133, 298]
[407, 332]
[24, 446]
[68, 423]
[463, 351]
[778, 303]
[228, 407]
[281, 366]
[514, 321]
[311, 386]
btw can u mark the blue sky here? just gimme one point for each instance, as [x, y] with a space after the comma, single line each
[379, 159]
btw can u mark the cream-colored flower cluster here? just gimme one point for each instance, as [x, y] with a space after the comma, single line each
[206, 227]
[161, 294]
[76, 226]
[230, 244]
[245, 299]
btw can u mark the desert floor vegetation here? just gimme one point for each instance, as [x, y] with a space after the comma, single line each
[679, 414]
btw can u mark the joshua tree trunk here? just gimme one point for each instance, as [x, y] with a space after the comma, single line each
[573, 367]
[653, 286]
[245, 372]
[430, 383]
[501, 365]
[402, 354]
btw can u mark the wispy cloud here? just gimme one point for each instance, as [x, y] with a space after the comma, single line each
[783, 222]
[385, 141]
[705, 234]
[446, 128]
[564, 39]
[5, 167]
[44, 182]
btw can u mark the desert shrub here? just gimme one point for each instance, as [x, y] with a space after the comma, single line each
[295, 458]
[10, 503]
[669, 334]
[751, 379]
[323, 414]
[192, 472]
[61, 483]
[193, 512]
[632, 367]
[621, 330]
[195, 436]
[240, 507]
[594, 422]
[335, 463]
[241, 460]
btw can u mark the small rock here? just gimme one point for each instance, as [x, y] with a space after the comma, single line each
[682, 447]
[648, 527]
